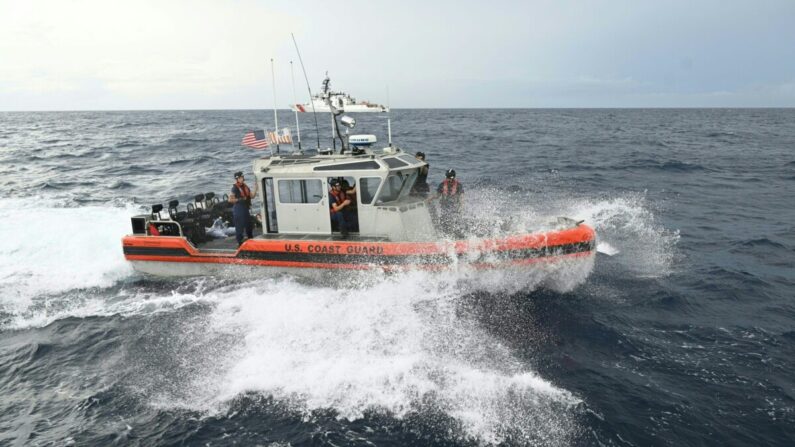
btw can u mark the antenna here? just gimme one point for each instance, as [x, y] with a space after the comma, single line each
[275, 115]
[295, 105]
[317, 130]
[332, 109]
[388, 117]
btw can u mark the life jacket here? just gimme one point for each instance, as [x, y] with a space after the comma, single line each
[448, 190]
[245, 194]
[339, 197]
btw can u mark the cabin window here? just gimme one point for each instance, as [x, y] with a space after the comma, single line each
[368, 186]
[300, 191]
[409, 159]
[395, 163]
[397, 186]
[357, 166]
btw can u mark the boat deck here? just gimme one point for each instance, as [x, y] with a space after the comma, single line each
[230, 244]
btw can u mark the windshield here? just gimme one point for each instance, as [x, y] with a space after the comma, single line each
[397, 186]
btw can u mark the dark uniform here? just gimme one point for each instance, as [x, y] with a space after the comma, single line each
[240, 210]
[421, 187]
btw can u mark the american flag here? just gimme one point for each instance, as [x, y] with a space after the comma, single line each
[255, 139]
[284, 138]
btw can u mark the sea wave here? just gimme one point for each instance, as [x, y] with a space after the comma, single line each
[57, 247]
[398, 348]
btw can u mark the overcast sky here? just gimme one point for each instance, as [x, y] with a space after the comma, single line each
[112, 55]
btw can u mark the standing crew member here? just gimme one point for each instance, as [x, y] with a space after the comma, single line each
[421, 187]
[241, 199]
[449, 193]
[339, 205]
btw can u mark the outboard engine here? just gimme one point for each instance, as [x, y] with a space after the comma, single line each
[156, 209]
[203, 215]
[224, 209]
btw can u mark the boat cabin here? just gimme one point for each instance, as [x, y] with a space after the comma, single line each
[295, 194]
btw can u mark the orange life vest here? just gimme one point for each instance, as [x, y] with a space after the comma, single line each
[448, 190]
[339, 197]
[245, 194]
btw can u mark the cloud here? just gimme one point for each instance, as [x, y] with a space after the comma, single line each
[138, 50]
[90, 54]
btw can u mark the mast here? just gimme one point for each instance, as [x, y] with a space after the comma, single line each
[309, 89]
[295, 101]
[275, 115]
[327, 99]
[388, 117]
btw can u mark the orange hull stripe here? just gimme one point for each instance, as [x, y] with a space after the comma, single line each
[582, 233]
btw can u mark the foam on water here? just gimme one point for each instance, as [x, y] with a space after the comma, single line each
[395, 347]
[49, 247]
[626, 226]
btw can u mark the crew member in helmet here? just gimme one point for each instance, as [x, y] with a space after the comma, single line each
[449, 194]
[450, 191]
[241, 199]
[339, 205]
[421, 187]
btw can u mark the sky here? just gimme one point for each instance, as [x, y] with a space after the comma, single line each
[200, 54]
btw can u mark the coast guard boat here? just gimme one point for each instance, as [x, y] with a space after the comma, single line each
[327, 100]
[394, 229]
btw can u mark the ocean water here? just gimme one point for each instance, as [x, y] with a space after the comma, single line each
[683, 334]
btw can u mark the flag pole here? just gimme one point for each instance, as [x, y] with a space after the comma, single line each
[295, 105]
[275, 115]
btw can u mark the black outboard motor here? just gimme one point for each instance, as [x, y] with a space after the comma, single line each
[174, 213]
[210, 199]
[156, 209]
[210, 202]
[203, 215]
[224, 209]
[191, 228]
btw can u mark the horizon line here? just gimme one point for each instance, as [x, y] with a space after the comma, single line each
[413, 108]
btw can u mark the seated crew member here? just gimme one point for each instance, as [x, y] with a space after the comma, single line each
[241, 199]
[339, 206]
[421, 187]
[449, 193]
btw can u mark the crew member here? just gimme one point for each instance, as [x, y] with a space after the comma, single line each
[241, 199]
[449, 193]
[339, 205]
[421, 187]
